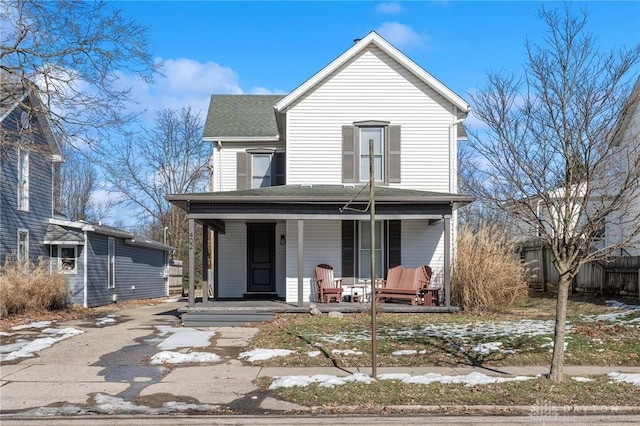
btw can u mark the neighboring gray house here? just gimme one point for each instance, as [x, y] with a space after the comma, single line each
[28, 152]
[101, 264]
[104, 264]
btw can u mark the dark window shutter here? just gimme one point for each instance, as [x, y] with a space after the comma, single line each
[348, 248]
[349, 155]
[393, 155]
[243, 171]
[280, 176]
[394, 243]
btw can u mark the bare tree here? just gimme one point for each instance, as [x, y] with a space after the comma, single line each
[77, 185]
[555, 157]
[171, 158]
[73, 53]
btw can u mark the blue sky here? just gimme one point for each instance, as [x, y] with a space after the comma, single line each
[272, 47]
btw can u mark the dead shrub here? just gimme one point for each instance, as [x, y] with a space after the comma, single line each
[487, 274]
[27, 287]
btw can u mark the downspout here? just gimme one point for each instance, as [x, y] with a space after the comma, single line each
[219, 146]
[86, 257]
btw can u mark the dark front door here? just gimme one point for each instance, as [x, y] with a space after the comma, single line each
[261, 241]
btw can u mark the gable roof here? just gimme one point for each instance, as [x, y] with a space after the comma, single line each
[14, 95]
[241, 117]
[375, 39]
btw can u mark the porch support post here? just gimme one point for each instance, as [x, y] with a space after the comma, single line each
[192, 263]
[447, 261]
[300, 262]
[205, 263]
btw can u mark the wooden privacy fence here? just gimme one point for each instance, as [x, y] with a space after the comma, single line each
[619, 276]
[175, 277]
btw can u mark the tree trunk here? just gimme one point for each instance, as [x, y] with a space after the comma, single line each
[557, 360]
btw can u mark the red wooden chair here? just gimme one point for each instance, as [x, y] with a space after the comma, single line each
[327, 287]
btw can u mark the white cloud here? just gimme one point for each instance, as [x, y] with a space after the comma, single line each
[400, 35]
[389, 8]
[259, 90]
[184, 82]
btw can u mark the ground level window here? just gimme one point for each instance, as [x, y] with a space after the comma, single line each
[364, 250]
[67, 260]
[111, 259]
[23, 245]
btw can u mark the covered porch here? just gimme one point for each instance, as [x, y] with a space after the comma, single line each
[297, 220]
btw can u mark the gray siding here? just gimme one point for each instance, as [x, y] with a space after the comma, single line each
[139, 267]
[97, 274]
[40, 198]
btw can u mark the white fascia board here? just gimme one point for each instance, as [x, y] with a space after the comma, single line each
[71, 224]
[14, 106]
[385, 46]
[242, 139]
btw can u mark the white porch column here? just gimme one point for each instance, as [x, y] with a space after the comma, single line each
[192, 263]
[447, 261]
[300, 262]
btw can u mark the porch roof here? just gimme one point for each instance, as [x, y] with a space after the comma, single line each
[319, 199]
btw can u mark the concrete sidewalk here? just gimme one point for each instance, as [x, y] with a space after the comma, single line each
[105, 370]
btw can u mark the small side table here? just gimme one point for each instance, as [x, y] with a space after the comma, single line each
[358, 293]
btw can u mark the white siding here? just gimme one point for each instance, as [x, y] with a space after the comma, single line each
[372, 86]
[232, 260]
[281, 260]
[224, 161]
[423, 245]
[322, 244]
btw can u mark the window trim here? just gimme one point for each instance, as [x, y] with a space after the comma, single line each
[391, 152]
[111, 263]
[19, 258]
[73, 271]
[383, 150]
[23, 180]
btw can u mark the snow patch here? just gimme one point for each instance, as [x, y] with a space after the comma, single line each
[39, 324]
[633, 378]
[264, 354]
[346, 352]
[30, 348]
[314, 354]
[183, 337]
[168, 357]
[582, 379]
[323, 380]
[471, 379]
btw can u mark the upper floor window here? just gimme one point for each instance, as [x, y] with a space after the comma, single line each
[369, 135]
[67, 260]
[259, 168]
[23, 180]
[386, 152]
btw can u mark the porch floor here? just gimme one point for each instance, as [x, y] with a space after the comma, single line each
[276, 306]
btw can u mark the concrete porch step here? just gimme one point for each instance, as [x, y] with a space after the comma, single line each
[223, 319]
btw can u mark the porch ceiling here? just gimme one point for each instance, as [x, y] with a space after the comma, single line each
[289, 201]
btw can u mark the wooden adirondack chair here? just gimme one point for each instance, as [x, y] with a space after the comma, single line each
[327, 287]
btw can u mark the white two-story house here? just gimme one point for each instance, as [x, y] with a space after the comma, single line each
[285, 168]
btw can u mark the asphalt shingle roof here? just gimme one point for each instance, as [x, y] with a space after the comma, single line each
[241, 116]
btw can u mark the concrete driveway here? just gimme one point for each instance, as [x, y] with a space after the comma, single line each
[106, 367]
